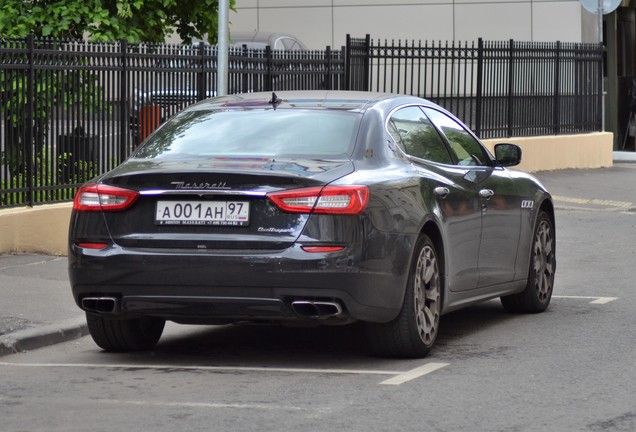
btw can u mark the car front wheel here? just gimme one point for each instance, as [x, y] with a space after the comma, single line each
[538, 292]
[412, 333]
[121, 335]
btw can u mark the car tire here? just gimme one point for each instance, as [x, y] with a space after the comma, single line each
[121, 335]
[538, 292]
[412, 333]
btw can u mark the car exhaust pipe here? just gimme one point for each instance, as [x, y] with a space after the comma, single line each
[100, 304]
[316, 309]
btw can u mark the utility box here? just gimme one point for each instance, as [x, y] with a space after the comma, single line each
[149, 120]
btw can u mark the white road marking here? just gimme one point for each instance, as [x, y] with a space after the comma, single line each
[595, 300]
[604, 300]
[201, 405]
[414, 373]
[204, 368]
[399, 378]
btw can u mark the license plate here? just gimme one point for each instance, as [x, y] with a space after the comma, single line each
[224, 213]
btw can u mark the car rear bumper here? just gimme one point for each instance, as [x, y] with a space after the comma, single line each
[199, 286]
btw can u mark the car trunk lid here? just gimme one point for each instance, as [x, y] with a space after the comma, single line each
[214, 203]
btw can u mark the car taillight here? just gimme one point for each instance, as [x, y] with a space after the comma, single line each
[322, 249]
[344, 200]
[96, 246]
[98, 197]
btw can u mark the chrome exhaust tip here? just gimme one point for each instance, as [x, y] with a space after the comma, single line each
[100, 304]
[316, 309]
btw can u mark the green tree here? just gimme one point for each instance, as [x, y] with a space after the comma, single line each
[111, 20]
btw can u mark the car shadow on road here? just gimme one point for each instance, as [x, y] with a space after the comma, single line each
[465, 333]
[255, 345]
[258, 344]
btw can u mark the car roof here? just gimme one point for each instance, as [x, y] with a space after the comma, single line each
[310, 99]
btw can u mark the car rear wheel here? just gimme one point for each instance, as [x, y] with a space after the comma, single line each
[538, 292]
[412, 333]
[120, 335]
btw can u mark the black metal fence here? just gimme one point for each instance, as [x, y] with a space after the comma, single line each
[500, 89]
[71, 110]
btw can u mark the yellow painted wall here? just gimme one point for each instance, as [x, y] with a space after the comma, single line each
[43, 229]
[549, 153]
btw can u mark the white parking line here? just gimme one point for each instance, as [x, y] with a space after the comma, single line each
[414, 373]
[399, 378]
[212, 405]
[595, 300]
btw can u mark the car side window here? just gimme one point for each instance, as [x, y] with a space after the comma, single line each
[418, 136]
[467, 149]
[395, 134]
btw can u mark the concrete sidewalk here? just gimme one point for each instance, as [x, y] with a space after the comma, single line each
[37, 308]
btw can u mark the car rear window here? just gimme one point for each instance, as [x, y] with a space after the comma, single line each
[273, 133]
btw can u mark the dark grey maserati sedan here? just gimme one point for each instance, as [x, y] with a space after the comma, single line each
[313, 207]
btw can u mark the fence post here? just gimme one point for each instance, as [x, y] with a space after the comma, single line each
[357, 64]
[510, 86]
[347, 71]
[341, 69]
[269, 78]
[201, 94]
[123, 97]
[245, 66]
[328, 69]
[480, 78]
[367, 61]
[601, 87]
[557, 84]
[28, 139]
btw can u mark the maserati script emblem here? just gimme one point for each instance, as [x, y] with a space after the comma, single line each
[200, 186]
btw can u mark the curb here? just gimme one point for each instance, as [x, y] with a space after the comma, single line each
[624, 157]
[33, 338]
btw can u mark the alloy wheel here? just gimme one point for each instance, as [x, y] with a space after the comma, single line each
[427, 295]
[544, 260]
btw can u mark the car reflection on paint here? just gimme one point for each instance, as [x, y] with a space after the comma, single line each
[309, 207]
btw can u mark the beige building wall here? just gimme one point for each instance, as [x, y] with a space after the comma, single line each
[327, 22]
[43, 229]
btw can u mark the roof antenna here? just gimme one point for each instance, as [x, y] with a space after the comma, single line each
[275, 101]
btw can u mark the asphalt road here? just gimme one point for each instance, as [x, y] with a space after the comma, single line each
[569, 369]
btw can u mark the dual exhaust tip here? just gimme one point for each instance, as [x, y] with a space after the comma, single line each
[100, 304]
[303, 308]
[316, 309]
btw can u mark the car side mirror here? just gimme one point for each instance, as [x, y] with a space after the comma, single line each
[507, 154]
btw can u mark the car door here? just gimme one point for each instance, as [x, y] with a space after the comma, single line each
[499, 201]
[459, 205]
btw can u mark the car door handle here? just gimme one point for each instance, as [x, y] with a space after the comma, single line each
[486, 193]
[441, 191]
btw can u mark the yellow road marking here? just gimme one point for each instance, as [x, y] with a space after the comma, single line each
[583, 201]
